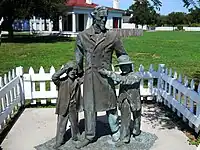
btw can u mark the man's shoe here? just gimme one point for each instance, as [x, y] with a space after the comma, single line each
[83, 143]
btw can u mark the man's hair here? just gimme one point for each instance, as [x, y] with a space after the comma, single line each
[97, 9]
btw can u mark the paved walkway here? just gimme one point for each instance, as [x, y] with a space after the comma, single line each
[38, 125]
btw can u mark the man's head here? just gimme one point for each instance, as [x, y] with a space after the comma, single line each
[125, 64]
[100, 15]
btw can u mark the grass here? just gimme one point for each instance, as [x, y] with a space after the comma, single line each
[178, 50]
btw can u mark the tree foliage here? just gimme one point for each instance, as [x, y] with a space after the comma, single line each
[176, 18]
[156, 3]
[187, 3]
[21, 9]
[143, 13]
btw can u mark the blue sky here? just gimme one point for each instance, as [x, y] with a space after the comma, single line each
[167, 5]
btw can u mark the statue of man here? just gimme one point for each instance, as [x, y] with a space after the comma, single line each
[97, 44]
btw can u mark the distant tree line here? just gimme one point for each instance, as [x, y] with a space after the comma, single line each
[144, 13]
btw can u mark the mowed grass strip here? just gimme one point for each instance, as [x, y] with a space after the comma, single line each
[178, 50]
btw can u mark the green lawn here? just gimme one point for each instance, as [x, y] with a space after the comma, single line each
[178, 50]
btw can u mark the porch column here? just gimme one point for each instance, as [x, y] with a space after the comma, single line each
[89, 21]
[85, 21]
[73, 22]
[60, 24]
[40, 25]
[34, 24]
[50, 25]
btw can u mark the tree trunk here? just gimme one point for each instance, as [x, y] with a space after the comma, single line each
[9, 27]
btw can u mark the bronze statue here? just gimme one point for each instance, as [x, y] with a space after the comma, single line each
[68, 102]
[129, 98]
[97, 44]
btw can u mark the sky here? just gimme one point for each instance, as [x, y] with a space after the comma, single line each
[167, 5]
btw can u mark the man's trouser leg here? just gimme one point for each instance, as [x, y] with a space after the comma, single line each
[90, 124]
[125, 121]
[137, 122]
[61, 129]
[113, 121]
[73, 118]
[90, 128]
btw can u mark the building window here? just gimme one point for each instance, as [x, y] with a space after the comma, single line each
[117, 22]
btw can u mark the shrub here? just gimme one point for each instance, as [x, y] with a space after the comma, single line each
[180, 27]
[195, 25]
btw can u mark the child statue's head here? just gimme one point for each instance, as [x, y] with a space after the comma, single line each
[125, 64]
[71, 70]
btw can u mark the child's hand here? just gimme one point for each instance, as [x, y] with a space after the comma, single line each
[103, 71]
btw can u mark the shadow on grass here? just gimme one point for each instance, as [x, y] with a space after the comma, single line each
[26, 39]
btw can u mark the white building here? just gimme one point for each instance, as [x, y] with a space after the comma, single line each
[78, 17]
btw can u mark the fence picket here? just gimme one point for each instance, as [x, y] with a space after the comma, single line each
[198, 104]
[14, 88]
[170, 87]
[52, 85]
[10, 94]
[1, 98]
[141, 68]
[6, 100]
[179, 94]
[3, 105]
[151, 68]
[191, 102]
[42, 85]
[192, 86]
[174, 90]
[32, 84]
[150, 81]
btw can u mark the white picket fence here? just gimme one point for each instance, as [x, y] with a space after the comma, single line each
[39, 86]
[11, 95]
[180, 96]
[162, 83]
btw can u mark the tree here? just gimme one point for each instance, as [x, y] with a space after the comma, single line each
[195, 15]
[175, 18]
[194, 3]
[187, 3]
[161, 20]
[143, 13]
[156, 3]
[21, 9]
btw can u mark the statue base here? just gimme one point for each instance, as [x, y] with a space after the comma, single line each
[145, 142]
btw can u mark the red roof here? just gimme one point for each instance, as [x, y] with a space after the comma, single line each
[82, 3]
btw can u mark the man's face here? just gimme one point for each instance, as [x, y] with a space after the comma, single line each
[101, 19]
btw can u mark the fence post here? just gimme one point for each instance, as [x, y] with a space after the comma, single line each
[20, 72]
[159, 84]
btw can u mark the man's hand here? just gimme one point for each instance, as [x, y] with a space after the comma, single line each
[103, 71]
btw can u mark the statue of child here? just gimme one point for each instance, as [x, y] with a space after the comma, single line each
[68, 103]
[129, 98]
